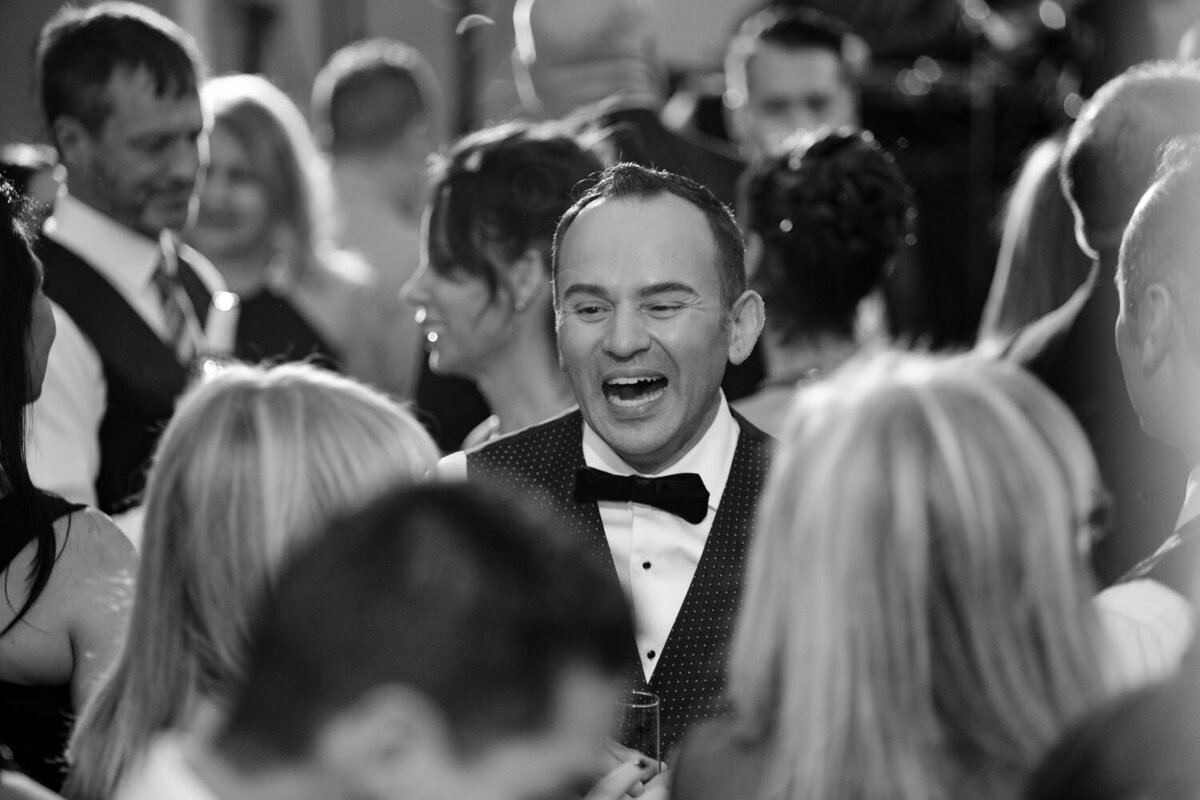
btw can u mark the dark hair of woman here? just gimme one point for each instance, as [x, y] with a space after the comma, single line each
[501, 191]
[830, 217]
[19, 278]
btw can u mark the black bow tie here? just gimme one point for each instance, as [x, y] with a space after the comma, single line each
[683, 495]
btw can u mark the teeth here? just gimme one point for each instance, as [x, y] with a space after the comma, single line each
[642, 389]
[634, 402]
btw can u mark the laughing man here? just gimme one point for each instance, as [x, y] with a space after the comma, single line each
[652, 474]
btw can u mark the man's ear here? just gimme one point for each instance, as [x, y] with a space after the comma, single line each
[1155, 325]
[747, 317]
[73, 140]
[384, 742]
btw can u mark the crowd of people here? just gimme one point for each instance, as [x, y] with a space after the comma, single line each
[255, 543]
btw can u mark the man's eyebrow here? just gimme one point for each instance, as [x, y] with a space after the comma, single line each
[665, 287]
[585, 288]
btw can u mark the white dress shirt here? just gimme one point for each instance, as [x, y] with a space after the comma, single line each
[1148, 625]
[655, 552]
[64, 443]
[1191, 500]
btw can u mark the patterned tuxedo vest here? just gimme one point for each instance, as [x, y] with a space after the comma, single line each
[142, 374]
[538, 464]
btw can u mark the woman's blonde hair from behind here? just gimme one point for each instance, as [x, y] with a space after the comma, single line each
[918, 620]
[253, 460]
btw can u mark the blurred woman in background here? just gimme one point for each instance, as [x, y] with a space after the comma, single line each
[917, 622]
[252, 461]
[483, 290]
[264, 221]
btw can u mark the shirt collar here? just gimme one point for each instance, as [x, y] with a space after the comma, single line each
[710, 458]
[117, 252]
[1191, 500]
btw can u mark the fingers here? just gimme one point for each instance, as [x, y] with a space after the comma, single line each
[624, 780]
[620, 753]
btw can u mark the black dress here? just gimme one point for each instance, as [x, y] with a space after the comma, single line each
[271, 329]
[35, 721]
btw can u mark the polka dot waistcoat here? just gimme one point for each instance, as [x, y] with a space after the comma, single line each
[538, 464]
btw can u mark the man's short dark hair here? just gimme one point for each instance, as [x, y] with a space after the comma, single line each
[81, 48]
[449, 590]
[627, 181]
[1112, 151]
[788, 28]
[1162, 242]
[369, 93]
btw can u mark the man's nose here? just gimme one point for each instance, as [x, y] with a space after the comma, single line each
[185, 160]
[627, 334]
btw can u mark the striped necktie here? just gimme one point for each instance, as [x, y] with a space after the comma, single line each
[180, 319]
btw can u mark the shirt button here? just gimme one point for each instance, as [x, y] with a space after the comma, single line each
[651, 654]
[645, 565]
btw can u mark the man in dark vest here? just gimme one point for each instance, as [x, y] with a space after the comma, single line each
[118, 89]
[653, 474]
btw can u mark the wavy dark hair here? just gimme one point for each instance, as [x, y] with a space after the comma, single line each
[19, 278]
[831, 216]
[501, 191]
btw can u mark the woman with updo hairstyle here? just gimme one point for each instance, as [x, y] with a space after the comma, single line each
[252, 463]
[483, 290]
[918, 621]
[824, 221]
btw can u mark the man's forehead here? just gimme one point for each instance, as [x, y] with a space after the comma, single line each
[777, 65]
[612, 224]
[638, 241]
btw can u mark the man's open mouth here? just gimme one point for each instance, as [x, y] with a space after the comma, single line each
[630, 392]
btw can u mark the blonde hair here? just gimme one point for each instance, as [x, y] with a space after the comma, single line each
[1040, 264]
[286, 160]
[918, 620]
[253, 460]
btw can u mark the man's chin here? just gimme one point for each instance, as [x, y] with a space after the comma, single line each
[175, 217]
[635, 443]
[153, 225]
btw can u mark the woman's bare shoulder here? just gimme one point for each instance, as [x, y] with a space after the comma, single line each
[90, 543]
